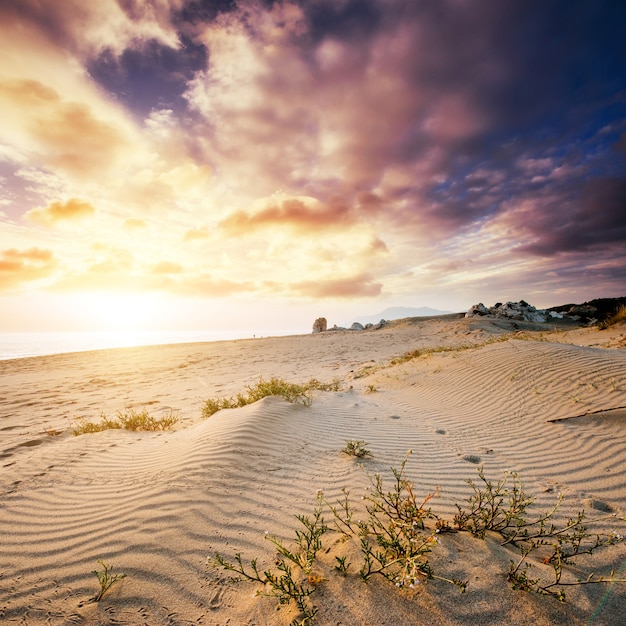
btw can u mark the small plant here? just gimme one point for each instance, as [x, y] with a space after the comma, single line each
[341, 565]
[371, 389]
[501, 508]
[282, 584]
[394, 540]
[106, 578]
[342, 514]
[356, 448]
[129, 420]
[560, 545]
[493, 506]
[308, 540]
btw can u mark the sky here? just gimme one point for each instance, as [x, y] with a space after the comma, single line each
[256, 164]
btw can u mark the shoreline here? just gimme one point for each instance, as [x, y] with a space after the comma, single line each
[21, 345]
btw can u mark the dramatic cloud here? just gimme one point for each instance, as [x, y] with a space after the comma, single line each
[337, 150]
[89, 28]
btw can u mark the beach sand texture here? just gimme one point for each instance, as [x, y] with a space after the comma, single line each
[548, 405]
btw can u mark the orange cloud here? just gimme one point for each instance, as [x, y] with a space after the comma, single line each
[167, 267]
[17, 267]
[196, 233]
[134, 224]
[357, 286]
[292, 212]
[69, 211]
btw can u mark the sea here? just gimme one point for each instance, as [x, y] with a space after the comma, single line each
[20, 344]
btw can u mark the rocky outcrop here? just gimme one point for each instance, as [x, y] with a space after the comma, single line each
[520, 311]
[320, 325]
[357, 326]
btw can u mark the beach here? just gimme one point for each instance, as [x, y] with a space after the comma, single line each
[546, 401]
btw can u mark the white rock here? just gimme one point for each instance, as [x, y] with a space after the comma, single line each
[477, 309]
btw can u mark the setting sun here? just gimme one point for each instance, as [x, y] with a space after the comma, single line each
[122, 312]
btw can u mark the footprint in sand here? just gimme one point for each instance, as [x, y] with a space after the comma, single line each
[472, 458]
[598, 505]
[215, 601]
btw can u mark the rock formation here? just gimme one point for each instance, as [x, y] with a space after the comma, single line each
[520, 311]
[320, 325]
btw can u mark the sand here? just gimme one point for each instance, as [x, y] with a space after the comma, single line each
[548, 404]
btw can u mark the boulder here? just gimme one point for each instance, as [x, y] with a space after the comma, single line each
[477, 309]
[357, 326]
[320, 325]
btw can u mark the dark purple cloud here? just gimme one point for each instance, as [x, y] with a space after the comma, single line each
[595, 216]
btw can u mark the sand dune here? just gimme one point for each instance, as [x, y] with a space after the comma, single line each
[156, 505]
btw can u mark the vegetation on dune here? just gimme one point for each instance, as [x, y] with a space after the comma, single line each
[292, 392]
[616, 318]
[399, 530]
[126, 420]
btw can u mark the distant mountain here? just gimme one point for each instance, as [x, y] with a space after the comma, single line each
[398, 313]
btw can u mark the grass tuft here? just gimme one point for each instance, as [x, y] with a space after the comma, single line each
[292, 392]
[618, 317]
[128, 420]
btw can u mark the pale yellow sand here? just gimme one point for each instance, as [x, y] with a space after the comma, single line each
[156, 505]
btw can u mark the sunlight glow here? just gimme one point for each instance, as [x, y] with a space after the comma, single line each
[122, 312]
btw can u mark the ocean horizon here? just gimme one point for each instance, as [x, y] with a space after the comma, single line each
[19, 345]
